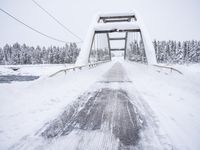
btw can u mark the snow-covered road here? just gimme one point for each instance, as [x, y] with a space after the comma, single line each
[107, 116]
[106, 111]
[121, 105]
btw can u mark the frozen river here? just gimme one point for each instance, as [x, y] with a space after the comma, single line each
[10, 78]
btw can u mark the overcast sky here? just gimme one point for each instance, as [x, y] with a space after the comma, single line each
[164, 19]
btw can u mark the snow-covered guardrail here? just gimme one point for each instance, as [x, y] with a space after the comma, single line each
[170, 68]
[78, 67]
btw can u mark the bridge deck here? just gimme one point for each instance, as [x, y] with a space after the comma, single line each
[125, 106]
[105, 118]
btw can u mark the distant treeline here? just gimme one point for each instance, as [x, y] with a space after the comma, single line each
[23, 54]
[136, 51]
[170, 52]
[99, 55]
[173, 52]
[176, 52]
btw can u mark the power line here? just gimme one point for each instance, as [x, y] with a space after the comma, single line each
[62, 25]
[39, 32]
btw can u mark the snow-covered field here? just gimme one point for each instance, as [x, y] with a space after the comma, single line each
[174, 100]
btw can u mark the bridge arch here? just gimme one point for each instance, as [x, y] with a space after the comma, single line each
[117, 22]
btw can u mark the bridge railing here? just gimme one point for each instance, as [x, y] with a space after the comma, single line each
[169, 68]
[90, 65]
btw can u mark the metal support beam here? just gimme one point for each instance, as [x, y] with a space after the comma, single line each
[118, 17]
[117, 38]
[93, 38]
[115, 20]
[109, 45]
[125, 45]
[143, 44]
[118, 49]
[106, 31]
[115, 30]
[129, 30]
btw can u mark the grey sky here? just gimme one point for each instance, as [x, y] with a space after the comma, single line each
[165, 19]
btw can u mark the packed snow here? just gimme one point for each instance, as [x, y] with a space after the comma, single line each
[172, 99]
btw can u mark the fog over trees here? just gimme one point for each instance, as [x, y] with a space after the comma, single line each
[170, 52]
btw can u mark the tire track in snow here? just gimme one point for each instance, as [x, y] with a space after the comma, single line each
[107, 117]
[97, 113]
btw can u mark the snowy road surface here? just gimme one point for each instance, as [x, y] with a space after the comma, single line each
[107, 116]
[117, 105]
[108, 111]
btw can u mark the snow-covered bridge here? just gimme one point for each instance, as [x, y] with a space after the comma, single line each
[116, 105]
[103, 31]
